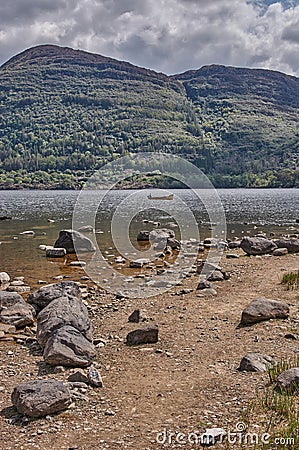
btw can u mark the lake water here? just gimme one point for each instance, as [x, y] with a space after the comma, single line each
[247, 211]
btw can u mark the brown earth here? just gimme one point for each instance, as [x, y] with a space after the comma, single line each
[185, 383]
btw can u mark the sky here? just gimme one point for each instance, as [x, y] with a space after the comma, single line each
[169, 36]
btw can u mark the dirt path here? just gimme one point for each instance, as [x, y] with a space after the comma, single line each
[186, 382]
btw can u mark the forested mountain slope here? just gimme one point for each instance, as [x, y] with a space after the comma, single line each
[65, 112]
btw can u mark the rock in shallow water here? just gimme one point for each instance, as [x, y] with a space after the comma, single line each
[73, 242]
[39, 398]
[55, 252]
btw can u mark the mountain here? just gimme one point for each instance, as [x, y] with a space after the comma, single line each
[249, 119]
[65, 112]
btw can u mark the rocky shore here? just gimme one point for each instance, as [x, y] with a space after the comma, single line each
[83, 369]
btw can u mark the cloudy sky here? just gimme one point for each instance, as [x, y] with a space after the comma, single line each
[166, 35]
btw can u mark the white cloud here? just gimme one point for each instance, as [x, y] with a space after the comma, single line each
[170, 35]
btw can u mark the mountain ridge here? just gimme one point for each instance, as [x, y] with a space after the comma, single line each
[66, 112]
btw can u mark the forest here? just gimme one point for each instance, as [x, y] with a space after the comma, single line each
[64, 113]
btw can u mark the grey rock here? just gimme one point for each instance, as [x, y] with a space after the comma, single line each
[55, 252]
[234, 244]
[14, 310]
[137, 316]
[73, 241]
[211, 436]
[216, 276]
[46, 294]
[79, 377]
[257, 245]
[119, 260]
[264, 309]
[73, 385]
[211, 241]
[161, 238]
[161, 235]
[204, 284]
[292, 244]
[17, 283]
[208, 292]
[68, 347]
[174, 244]
[143, 236]
[145, 335]
[206, 268]
[60, 312]
[291, 336]
[233, 256]
[39, 398]
[94, 377]
[86, 229]
[4, 278]
[139, 263]
[288, 380]
[18, 289]
[255, 362]
[280, 251]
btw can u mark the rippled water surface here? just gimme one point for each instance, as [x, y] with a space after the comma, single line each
[246, 210]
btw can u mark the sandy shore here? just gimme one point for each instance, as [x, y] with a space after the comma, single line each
[185, 383]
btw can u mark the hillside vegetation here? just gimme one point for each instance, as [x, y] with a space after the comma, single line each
[64, 113]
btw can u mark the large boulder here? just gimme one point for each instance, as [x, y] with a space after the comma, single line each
[292, 244]
[14, 310]
[60, 312]
[264, 309]
[46, 294]
[257, 245]
[74, 241]
[39, 398]
[255, 362]
[68, 347]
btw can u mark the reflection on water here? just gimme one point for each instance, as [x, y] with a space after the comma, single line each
[247, 211]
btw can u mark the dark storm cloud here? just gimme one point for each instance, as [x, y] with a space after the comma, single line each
[291, 33]
[169, 35]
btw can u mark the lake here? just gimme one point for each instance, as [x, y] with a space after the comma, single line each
[247, 211]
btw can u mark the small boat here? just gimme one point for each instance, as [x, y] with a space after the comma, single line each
[162, 197]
